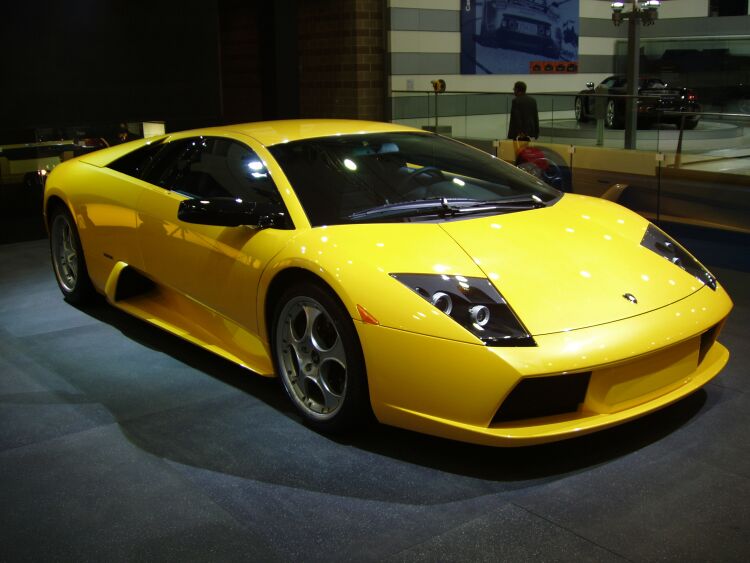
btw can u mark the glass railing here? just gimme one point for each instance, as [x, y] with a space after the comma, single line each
[473, 115]
[691, 168]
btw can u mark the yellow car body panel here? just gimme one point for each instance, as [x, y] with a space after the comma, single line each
[578, 258]
[564, 269]
[106, 217]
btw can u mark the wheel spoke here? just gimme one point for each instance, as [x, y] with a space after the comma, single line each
[294, 351]
[311, 314]
[611, 113]
[335, 353]
[331, 400]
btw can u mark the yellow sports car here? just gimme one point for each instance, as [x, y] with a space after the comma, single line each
[379, 269]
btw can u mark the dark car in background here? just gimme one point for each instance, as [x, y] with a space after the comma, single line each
[656, 104]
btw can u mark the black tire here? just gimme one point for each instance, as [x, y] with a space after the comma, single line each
[580, 110]
[318, 358]
[68, 261]
[690, 124]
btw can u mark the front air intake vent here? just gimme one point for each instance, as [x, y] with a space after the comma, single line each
[132, 283]
[707, 340]
[544, 396]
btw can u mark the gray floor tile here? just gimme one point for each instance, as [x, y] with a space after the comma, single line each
[93, 496]
[653, 505]
[508, 534]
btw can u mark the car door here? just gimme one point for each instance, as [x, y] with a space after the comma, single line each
[217, 267]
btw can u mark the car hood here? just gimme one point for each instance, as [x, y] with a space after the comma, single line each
[570, 265]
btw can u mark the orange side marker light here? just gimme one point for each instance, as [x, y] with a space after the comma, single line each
[367, 317]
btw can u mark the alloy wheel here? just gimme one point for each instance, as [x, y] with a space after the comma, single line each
[312, 358]
[611, 115]
[64, 253]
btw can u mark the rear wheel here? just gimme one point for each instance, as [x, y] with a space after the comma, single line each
[580, 111]
[691, 123]
[68, 261]
[319, 359]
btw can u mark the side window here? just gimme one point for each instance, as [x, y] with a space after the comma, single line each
[167, 163]
[214, 167]
[136, 162]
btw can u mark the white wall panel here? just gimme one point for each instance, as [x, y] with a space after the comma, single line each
[417, 51]
[426, 4]
[424, 42]
[595, 9]
[499, 82]
[683, 9]
[596, 45]
[669, 9]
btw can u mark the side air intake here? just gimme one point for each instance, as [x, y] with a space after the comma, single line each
[132, 283]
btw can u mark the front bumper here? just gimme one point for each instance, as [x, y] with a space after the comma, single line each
[454, 389]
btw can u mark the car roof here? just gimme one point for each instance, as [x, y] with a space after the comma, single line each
[267, 133]
[271, 133]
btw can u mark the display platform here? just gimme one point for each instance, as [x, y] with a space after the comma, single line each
[708, 135]
[706, 129]
[119, 442]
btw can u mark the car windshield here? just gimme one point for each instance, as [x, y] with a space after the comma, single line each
[379, 177]
[652, 83]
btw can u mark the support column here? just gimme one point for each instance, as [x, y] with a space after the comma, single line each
[634, 56]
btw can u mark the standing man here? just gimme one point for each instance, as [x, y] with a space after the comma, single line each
[524, 117]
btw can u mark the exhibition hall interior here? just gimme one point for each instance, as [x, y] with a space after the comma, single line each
[286, 280]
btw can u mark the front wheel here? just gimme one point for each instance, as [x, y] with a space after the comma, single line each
[68, 261]
[319, 359]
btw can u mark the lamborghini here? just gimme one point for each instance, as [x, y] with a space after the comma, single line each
[377, 269]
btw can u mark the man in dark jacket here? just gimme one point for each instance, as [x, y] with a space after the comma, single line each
[524, 117]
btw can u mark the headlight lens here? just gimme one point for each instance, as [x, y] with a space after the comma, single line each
[660, 243]
[474, 303]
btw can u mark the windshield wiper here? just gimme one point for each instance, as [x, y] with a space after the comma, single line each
[415, 208]
[446, 207]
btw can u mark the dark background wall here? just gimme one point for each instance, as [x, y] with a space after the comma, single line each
[189, 63]
[93, 61]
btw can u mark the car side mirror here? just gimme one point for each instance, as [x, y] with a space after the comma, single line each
[589, 84]
[230, 212]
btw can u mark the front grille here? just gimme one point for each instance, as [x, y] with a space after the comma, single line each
[544, 396]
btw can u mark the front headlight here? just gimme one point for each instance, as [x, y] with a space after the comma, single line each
[659, 242]
[474, 303]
